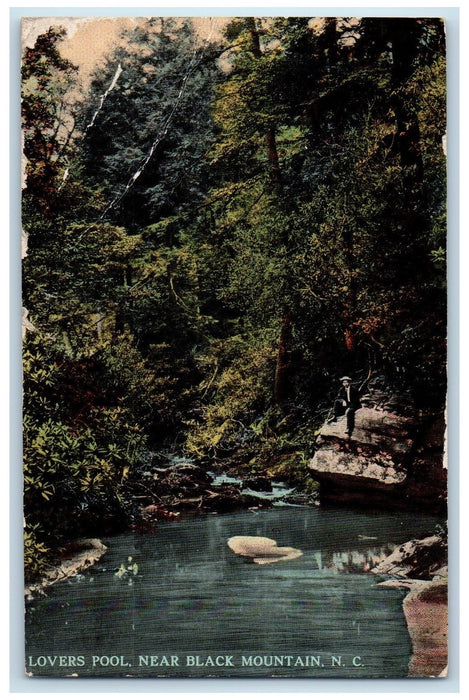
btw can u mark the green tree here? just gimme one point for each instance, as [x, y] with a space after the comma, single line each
[255, 114]
[383, 200]
[80, 442]
[145, 148]
[338, 228]
[81, 436]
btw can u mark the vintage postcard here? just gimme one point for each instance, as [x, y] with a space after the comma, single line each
[234, 347]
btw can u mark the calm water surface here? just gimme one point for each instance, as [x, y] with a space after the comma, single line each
[193, 608]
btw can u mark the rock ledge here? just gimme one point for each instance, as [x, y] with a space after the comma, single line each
[426, 605]
[78, 556]
[391, 460]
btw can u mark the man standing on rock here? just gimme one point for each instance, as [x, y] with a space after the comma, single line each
[347, 401]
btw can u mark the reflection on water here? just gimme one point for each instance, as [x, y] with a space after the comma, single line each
[354, 561]
[194, 599]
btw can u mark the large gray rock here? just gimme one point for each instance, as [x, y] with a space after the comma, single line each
[356, 466]
[392, 459]
[381, 429]
[416, 559]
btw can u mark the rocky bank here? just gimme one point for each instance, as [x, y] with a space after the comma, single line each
[421, 566]
[73, 558]
[394, 458]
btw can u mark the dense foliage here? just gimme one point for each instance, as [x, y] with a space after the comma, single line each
[228, 230]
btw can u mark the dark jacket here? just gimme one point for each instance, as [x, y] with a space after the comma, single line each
[354, 401]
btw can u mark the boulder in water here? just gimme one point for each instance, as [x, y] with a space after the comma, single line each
[262, 550]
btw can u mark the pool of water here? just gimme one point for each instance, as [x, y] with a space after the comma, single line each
[178, 602]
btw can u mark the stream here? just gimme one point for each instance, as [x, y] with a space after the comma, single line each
[178, 602]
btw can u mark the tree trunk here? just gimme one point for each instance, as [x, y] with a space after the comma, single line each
[273, 157]
[281, 384]
[403, 35]
[254, 34]
[350, 300]
[283, 358]
[408, 143]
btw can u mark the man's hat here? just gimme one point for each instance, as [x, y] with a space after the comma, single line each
[348, 378]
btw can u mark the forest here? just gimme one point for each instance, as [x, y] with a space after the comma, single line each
[217, 231]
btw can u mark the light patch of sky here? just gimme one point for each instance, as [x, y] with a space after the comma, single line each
[87, 41]
[31, 27]
[90, 39]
